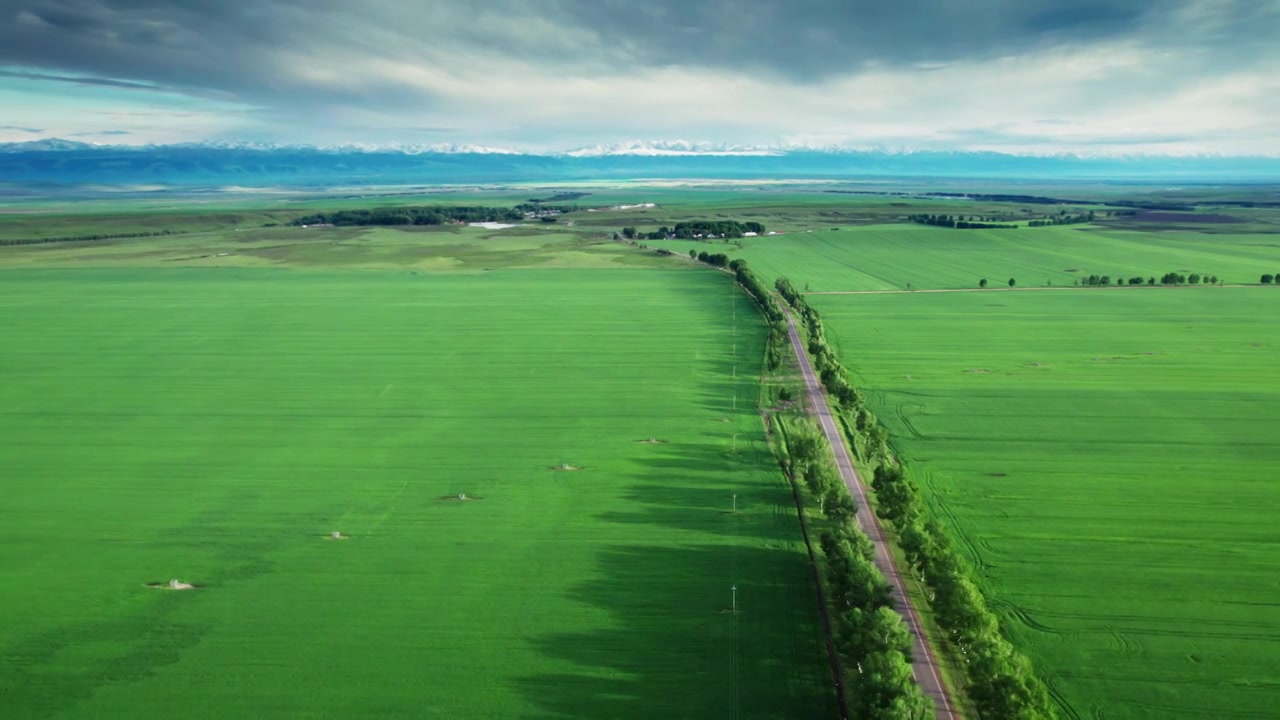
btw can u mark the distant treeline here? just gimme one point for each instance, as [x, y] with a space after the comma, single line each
[1062, 219]
[435, 215]
[960, 222]
[86, 238]
[999, 680]
[697, 229]
[977, 222]
[559, 197]
[543, 210]
[1025, 199]
[1170, 278]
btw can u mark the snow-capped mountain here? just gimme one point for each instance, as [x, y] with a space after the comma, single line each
[660, 148]
[250, 163]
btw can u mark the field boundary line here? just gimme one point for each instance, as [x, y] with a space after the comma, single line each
[923, 663]
[1066, 288]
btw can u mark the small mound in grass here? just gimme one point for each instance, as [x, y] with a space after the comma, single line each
[460, 497]
[652, 441]
[566, 467]
[173, 585]
[335, 535]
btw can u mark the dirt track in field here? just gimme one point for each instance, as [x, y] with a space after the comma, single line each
[924, 666]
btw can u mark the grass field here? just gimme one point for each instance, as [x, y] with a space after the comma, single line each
[428, 249]
[1107, 460]
[891, 257]
[215, 424]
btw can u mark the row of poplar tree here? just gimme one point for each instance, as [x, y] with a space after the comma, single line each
[869, 635]
[999, 681]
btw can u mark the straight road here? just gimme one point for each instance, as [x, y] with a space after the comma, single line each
[923, 663]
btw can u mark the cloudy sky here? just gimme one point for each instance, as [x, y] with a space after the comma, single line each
[1085, 76]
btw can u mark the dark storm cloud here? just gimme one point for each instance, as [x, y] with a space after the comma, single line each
[804, 39]
[237, 45]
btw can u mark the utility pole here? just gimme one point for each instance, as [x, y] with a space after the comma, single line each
[734, 606]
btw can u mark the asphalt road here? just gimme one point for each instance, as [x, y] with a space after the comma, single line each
[923, 664]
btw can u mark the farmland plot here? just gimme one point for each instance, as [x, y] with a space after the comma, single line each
[1106, 460]
[530, 473]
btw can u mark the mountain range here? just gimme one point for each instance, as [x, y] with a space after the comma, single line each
[58, 161]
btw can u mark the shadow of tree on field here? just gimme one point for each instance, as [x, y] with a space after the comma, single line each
[677, 651]
[674, 649]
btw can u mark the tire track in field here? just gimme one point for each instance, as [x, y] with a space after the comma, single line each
[971, 547]
[1023, 616]
[1061, 700]
[900, 409]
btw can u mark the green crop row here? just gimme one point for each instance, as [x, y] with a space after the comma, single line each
[1000, 681]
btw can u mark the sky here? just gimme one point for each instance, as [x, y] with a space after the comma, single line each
[1175, 77]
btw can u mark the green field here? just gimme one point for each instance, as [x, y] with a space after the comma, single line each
[893, 257]
[215, 424]
[210, 405]
[427, 249]
[1107, 460]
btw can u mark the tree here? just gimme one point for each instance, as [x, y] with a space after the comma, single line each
[839, 505]
[1151, 281]
[693, 254]
[982, 283]
[1267, 279]
[1194, 279]
[1012, 282]
[629, 233]
[821, 480]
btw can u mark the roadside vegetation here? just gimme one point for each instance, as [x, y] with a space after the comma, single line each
[999, 681]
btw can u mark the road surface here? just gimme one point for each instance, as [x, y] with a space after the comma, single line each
[923, 663]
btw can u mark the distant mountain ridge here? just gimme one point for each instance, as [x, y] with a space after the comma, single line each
[58, 161]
